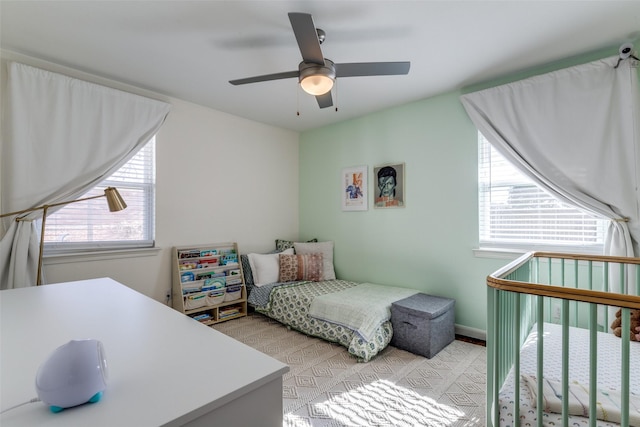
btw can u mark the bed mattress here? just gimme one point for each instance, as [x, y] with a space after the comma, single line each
[609, 376]
[289, 304]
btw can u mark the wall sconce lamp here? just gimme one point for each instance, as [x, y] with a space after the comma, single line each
[114, 201]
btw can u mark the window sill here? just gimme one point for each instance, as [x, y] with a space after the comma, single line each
[513, 253]
[498, 253]
[80, 256]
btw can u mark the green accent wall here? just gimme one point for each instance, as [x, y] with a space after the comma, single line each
[426, 245]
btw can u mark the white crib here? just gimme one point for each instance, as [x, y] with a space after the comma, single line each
[549, 318]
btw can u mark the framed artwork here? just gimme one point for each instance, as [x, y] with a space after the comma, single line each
[389, 186]
[354, 189]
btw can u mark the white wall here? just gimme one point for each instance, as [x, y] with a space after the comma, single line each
[218, 178]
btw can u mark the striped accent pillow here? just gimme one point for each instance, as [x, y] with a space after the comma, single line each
[301, 267]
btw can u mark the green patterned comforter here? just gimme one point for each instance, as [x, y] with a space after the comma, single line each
[289, 304]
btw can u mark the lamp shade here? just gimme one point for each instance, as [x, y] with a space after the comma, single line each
[75, 373]
[316, 79]
[317, 84]
[114, 199]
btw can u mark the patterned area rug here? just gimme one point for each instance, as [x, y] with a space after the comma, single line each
[326, 386]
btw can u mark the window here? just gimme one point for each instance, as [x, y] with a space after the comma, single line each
[516, 214]
[89, 225]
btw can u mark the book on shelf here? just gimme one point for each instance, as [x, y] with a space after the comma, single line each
[228, 311]
[214, 283]
[188, 264]
[190, 253]
[208, 275]
[209, 262]
[233, 281]
[202, 317]
[190, 289]
[208, 252]
[187, 276]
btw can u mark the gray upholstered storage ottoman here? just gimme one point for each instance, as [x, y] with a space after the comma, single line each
[423, 324]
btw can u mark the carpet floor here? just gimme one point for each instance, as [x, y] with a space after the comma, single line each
[327, 387]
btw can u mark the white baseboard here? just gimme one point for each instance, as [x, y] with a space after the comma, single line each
[478, 334]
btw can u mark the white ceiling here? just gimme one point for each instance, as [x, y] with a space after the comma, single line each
[191, 49]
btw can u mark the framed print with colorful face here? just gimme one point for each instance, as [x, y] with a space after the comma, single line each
[389, 186]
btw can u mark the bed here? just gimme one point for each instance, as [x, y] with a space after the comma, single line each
[551, 357]
[311, 305]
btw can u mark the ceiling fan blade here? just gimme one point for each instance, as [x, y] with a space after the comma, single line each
[356, 69]
[325, 100]
[307, 37]
[265, 77]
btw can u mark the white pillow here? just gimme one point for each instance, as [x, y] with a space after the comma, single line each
[266, 267]
[326, 248]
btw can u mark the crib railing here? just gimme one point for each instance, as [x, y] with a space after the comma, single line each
[568, 289]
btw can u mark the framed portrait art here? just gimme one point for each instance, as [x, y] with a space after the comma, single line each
[354, 189]
[389, 186]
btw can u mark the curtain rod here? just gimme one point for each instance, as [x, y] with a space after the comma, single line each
[626, 51]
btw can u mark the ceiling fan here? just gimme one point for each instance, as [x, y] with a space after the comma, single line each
[317, 74]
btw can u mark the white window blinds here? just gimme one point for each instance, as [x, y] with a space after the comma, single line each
[515, 213]
[90, 225]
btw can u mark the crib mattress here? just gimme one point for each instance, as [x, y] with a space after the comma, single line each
[608, 372]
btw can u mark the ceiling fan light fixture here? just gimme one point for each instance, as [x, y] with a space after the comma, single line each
[317, 84]
[316, 74]
[317, 79]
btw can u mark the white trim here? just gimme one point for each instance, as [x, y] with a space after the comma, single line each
[466, 331]
[497, 253]
[513, 253]
[75, 257]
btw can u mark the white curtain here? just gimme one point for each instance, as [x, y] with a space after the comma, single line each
[575, 132]
[62, 136]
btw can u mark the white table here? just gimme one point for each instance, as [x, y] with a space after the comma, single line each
[164, 369]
